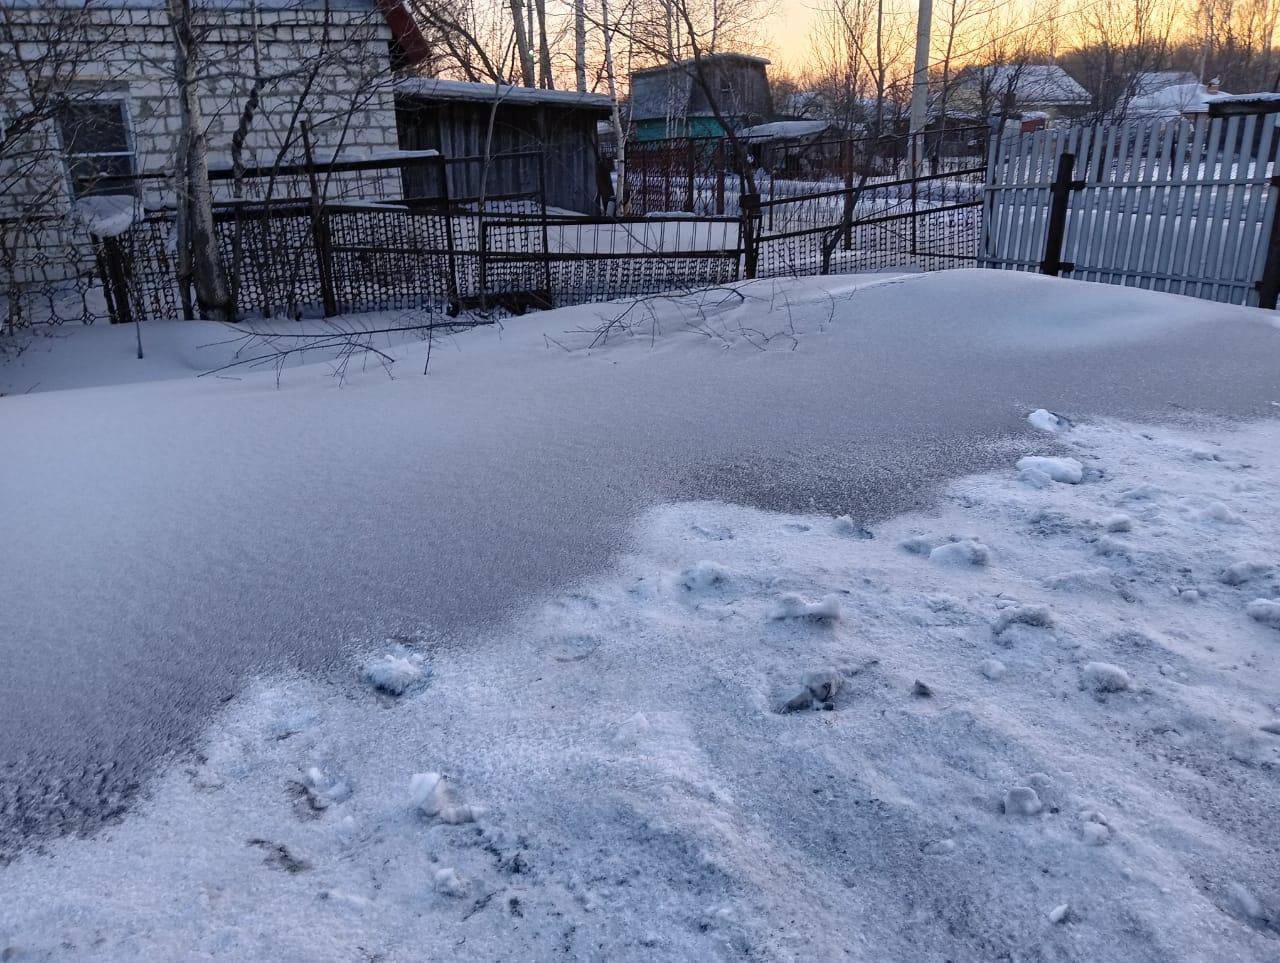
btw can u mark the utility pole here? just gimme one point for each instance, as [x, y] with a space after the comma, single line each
[920, 86]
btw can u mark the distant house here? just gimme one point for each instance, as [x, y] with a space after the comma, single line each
[1011, 90]
[674, 101]
[1177, 102]
[1150, 81]
[454, 118]
[795, 148]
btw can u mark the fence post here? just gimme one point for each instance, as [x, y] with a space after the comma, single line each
[451, 274]
[1060, 200]
[750, 204]
[847, 216]
[115, 280]
[916, 167]
[1269, 284]
[692, 165]
[720, 162]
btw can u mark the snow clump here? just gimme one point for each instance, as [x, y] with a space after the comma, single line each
[1047, 421]
[1065, 470]
[1104, 677]
[395, 673]
[1022, 801]
[1266, 611]
[826, 609]
[967, 551]
[1037, 616]
[434, 795]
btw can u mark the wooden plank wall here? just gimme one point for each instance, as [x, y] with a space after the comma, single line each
[565, 136]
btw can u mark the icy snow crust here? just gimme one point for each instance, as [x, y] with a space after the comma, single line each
[611, 776]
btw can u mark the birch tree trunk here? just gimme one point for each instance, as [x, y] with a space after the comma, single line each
[527, 77]
[200, 262]
[620, 167]
[580, 44]
[545, 80]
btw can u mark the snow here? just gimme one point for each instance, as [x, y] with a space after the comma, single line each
[1047, 421]
[966, 551]
[435, 88]
[1104, 677]
[1169, 103]
[1065, 470]
[395, 673]
[597, 769]
[640, 801]
[784, 130]
[1266, 611]
[791, 606]
[1259, 97]
[1031, 84]
[107, 215]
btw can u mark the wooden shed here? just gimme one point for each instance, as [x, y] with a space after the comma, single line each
[671, 100]
[454, 117]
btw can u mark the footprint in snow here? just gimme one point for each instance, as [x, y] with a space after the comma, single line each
[713, 533]
[1245, 570]
[396, 672]
[704, 576]
[319, 789]
[826, 609]
[845, 525]
[1036, 616]
[571, 648]
[818, 688]
[433, 794]
[1264, 611]
[279, 857]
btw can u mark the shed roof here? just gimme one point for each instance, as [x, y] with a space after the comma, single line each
[785, 130]
[685, 66]
[435, 88]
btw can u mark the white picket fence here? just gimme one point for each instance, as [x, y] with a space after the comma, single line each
[1185, 207]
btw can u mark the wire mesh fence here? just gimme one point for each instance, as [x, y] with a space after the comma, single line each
[418, 231]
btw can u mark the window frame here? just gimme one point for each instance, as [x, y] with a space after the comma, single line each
[121, 100]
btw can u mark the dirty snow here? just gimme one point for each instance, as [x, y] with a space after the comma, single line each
[608, 776]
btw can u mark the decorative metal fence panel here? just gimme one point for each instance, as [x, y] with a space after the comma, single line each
[928, 222]
[583, 259]
[1185, 207]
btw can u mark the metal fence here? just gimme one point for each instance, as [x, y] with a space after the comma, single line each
[403, 242]
[1185, 207]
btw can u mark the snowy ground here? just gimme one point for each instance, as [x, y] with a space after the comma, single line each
[1061, 742]
[1027, 718]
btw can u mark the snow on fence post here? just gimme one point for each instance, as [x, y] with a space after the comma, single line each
[1060, 200]
[1269, 283]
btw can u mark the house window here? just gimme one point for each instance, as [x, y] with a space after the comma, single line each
[98, 144]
